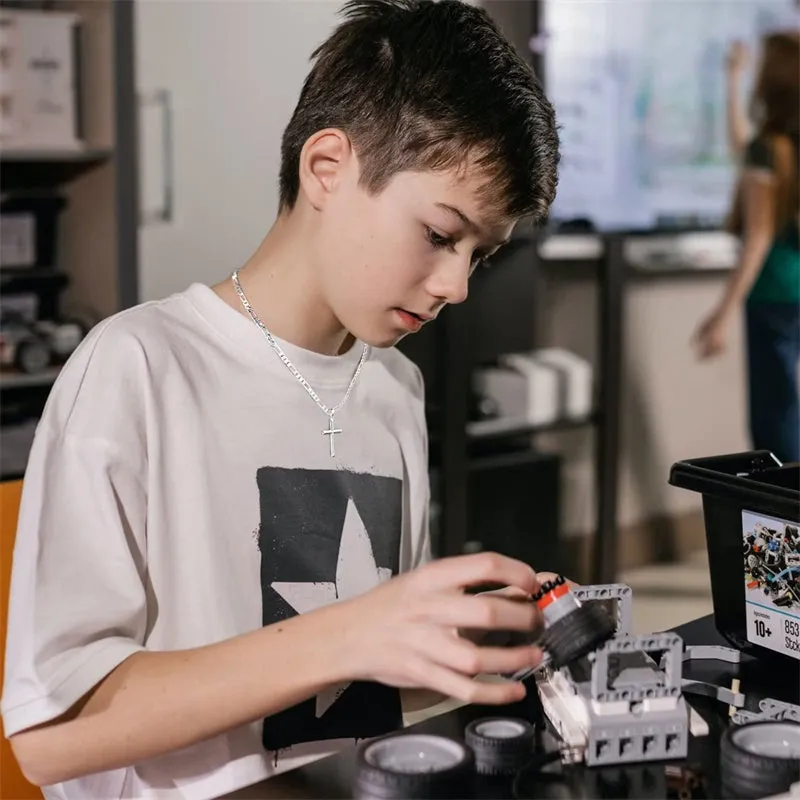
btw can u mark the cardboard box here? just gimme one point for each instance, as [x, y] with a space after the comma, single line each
[38, 80]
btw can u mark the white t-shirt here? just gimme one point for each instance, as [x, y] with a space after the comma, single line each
[180, 492]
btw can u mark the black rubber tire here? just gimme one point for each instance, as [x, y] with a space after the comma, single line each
[495, 755]
[744, 774]
[577, 634]
[375, 782]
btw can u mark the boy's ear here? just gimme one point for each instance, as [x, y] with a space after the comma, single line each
[324, 159]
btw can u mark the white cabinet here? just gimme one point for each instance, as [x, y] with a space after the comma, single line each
[217, 82]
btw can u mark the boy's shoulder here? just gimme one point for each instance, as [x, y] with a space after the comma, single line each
[119, 353]
[149, 319]
[147, 328]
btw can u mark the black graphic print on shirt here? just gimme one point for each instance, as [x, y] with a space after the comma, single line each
[326, 535]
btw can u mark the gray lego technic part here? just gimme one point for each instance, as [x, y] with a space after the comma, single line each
[638, 682]
[619, 592]
[778, 710]
[712, 653]
[726, 696]
[769, 709]
[742, 716]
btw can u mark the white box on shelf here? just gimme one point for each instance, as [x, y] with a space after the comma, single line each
[38, 80]
[522, 389]
[576, 380]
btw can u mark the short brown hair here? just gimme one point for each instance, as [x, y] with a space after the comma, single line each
[423, 85]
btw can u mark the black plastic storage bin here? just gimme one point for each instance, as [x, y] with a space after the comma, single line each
[756, 601]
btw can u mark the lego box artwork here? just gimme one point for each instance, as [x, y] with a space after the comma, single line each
[772, 582]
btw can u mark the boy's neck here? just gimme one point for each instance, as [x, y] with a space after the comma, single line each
[280, 283]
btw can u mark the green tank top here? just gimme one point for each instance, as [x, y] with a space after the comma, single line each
[779, 279]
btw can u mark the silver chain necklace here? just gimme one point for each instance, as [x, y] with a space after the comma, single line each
[331, 430]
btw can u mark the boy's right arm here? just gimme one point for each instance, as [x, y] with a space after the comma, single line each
[402, 634]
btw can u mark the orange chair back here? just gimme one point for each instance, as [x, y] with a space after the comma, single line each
[13, 785]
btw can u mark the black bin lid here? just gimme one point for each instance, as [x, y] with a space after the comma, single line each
[755, 479]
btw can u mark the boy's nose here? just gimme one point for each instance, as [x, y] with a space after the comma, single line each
[450, 282]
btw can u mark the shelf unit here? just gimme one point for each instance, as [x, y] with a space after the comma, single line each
[488, 429]
[97, 244]
[485, 327]
[24, 168]
[500, 316]
[20, 380]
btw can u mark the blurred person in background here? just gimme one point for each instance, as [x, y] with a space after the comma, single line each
[765, 216]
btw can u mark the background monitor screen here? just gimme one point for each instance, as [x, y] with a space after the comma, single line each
[639, 90]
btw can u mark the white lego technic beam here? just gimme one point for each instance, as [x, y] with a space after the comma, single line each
[566, 710]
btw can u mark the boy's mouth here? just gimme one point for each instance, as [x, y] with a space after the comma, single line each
[411, 321]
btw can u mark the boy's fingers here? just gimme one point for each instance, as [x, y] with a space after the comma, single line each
[479, 568]
[472, 691]
[468, 658]
[508, 660]
[484, 612]
[495, 694]
[509, 592]
[473, 660]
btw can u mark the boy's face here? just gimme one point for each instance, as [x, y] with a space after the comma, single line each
[389, 262]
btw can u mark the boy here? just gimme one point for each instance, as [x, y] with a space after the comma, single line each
[214, 470]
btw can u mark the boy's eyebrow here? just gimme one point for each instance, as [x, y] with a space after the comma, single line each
[466, 220]
[460, 214]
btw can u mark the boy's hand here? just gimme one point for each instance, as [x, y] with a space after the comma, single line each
[512, 593]
[404, 633]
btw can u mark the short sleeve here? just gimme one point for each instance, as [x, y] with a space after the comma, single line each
[758, 155]
[78, 601]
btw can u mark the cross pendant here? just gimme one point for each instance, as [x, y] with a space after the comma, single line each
[331, 431]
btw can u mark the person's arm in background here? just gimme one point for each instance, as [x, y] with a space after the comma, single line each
[758, 194]
[738, 128]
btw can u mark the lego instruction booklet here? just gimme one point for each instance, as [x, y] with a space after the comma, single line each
[772, 582]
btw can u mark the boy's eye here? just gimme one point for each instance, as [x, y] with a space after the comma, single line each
[437, 240]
